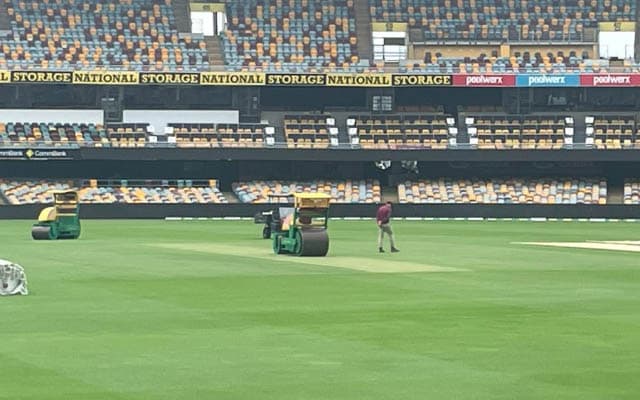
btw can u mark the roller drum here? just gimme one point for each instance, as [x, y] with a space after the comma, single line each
[313, 242]
[41, 232]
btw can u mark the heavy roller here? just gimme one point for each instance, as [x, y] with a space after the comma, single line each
[304, 227]
[61, 221]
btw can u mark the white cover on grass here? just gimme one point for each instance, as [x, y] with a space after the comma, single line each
[12, 279]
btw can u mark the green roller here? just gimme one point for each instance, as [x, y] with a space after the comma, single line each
[303, 229]
[62, 221]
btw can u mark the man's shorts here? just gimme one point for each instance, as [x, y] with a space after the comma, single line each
[386, 228]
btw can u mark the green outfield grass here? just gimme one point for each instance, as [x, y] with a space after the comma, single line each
[203, 310]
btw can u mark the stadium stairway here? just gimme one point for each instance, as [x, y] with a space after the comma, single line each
[5, 21]
[231, 197]
[279, 134]
[579, 130]
[214, 50]
[463, 135]
[363, 29]
[343, 134]
[183, 15]
[341, 124]
[615, 190]
[276, 119]
[390, 194]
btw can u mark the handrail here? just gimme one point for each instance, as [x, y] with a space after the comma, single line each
[404, 67]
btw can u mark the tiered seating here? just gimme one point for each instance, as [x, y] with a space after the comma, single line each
[611, 131]
[244, 135]
[52, 134]
[557, 61]
[397, 131]
[89, 34]
[31, 191]
[145, 192]
[194, 135]
[310, 131]
[123, 191]
[632, 192]
[504, 191]
[362, 191]
[495, 131]
[420, 109]
[220, 135]
[499, 20]
[517, 132]
[290, 34]
[128, 134]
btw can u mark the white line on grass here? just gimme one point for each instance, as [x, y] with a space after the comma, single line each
[590, 245]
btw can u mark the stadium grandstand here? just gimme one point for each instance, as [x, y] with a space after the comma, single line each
[414, 101]
[441, 36]
[319, 199]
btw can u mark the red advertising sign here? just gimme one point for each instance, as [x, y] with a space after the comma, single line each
[609, 80]
[484, 80]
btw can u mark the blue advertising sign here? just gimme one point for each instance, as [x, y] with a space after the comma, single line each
[542, 80]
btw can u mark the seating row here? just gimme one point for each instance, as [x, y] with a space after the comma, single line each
[341, 191]
[503, 20]
[631, 193]
[425, 191]
[538, 63]
[366, 131]
[310, 131]
[529, 132]
[612, 132]
[134, 135]
[219, 135]
[434, 131]
[504, 191]
[122, 191]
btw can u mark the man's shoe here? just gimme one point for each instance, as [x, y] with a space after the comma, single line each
[394, 250]
[380, 250]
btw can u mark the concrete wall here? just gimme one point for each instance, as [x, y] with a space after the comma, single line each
[160, 118]
[160, 211]
[36, 115]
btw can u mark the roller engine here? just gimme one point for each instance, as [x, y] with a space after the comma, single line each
[271, 219]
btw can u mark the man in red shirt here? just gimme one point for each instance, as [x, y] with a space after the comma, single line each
[383, 217]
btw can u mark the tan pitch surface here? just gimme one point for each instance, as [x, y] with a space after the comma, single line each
[382, 264]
